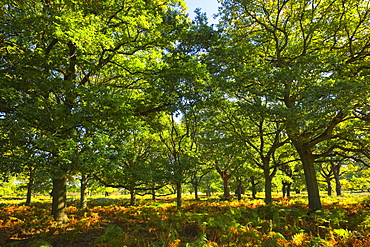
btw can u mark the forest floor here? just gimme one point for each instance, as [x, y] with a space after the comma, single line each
[343, 221]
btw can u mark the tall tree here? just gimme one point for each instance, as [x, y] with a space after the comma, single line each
[308, 59]
[180, 149]
[134, 161]
[255, 131]
[221, 152]
[71, 65]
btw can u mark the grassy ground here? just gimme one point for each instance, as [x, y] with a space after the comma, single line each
[344, 221]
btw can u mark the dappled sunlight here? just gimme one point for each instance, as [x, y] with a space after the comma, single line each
[215, 223]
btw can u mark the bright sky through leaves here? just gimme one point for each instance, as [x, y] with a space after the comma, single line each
[208, 6]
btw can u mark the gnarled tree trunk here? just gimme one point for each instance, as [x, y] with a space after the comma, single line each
[338, 187]
[225, 176]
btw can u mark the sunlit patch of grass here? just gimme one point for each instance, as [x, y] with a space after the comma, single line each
[16, 200]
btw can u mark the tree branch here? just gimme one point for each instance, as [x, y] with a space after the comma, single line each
[327, 134]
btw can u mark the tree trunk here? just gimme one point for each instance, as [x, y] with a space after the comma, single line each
[338, 187]
[153, 195]
[29, 191]
[288, 189]
[132, 197]
[328, 182]
[254, 191]
[268, 186]
[254, 188]
[307, 159]
[59, 203]
[239, 190]
[225, 176]
[195, 186]
[179, 194]
[83, 191]
[226, 188]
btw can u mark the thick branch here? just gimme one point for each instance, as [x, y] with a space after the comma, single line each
[50, 46]
[327, 134]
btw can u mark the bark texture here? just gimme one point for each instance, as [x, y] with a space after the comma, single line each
[59, 203]
[314, 202]
[83, 191]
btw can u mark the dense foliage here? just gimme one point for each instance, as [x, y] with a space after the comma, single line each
[132, 95]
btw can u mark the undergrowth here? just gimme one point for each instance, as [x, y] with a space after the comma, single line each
[341, 222]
